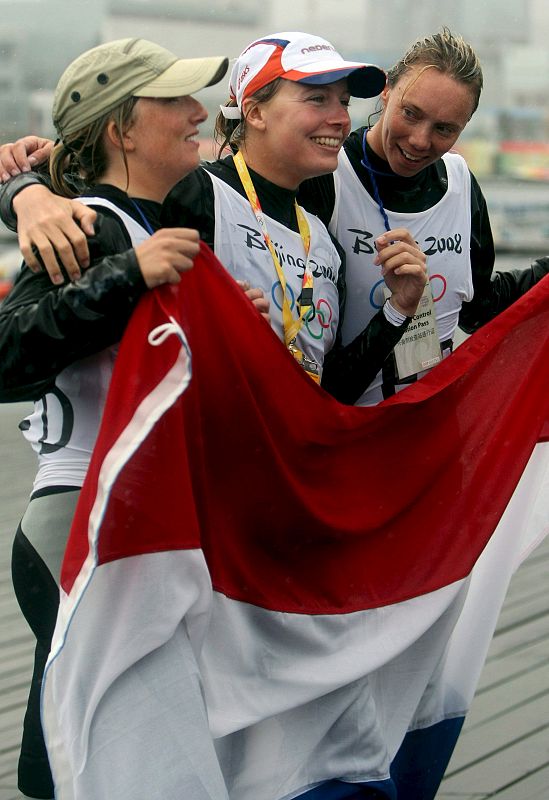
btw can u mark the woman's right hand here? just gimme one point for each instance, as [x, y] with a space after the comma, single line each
[403, 267]
[23, 155]
[166, 254]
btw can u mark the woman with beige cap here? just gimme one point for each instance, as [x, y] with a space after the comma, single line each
[128, 126]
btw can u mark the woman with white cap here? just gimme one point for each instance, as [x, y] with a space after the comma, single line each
[286, 122]
[127, 124]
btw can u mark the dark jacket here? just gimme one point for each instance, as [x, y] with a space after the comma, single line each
[44, 328]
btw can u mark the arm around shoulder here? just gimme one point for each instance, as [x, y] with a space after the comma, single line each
[44, 328]
[10, 189]
[54, 227]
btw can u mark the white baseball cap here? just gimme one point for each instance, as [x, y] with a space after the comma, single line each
[303, 58]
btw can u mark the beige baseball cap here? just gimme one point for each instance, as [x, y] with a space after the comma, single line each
[105, 76]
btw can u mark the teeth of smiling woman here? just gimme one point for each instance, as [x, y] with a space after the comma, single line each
[409, 157]
[327, 140]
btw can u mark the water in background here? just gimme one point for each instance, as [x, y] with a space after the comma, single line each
[519, 214]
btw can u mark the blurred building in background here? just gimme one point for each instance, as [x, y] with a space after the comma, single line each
[509, 132]
[37, 40]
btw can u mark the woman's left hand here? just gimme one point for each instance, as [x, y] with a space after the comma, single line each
[23, 155]
[404, 269]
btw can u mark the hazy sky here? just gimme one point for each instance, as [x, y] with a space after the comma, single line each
[38, 38]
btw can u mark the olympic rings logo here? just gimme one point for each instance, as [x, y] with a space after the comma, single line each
[374, 302]
[435, 279]
[317, 319]
[438, 282]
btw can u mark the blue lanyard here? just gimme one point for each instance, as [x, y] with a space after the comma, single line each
[366, 164]
[146, 223]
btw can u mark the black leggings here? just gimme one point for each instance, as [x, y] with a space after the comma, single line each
[36, 559]
[38, 596]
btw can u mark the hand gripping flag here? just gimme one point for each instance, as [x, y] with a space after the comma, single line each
[267, 594]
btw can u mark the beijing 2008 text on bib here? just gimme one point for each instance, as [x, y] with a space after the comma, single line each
[419, 348]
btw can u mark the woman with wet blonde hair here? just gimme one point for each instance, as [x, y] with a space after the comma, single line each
[402, 171]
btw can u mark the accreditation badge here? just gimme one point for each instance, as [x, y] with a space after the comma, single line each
[310, 366]
[419, 348]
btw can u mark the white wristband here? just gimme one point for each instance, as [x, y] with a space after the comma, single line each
[392, 315]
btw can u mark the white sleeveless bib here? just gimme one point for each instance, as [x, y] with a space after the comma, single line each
[239, 245]
[63, 427]
[443, 233]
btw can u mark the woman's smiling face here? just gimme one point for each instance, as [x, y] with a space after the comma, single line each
[423, 115]
[301, 131]
[165, 132]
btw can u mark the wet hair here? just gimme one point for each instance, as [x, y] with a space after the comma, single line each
[82, 154]
[231, 133]
[448, 53]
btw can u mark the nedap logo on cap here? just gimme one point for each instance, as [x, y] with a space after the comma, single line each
[314, 47]
[243, 75]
